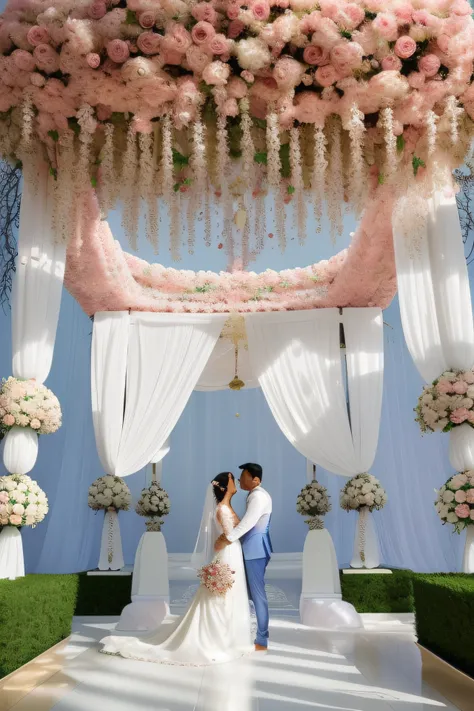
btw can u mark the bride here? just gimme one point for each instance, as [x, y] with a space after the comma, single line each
[214, 629]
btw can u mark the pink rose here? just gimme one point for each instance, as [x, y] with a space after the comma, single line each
[460, 496]
[147, 42]
[355, 14]
[444, 386]
[443, 43]
[429, 64]
[459, 387]
[231, 107]
[404, 13]
[93, 60]
[315, 55]
[236, 88]
[326, 76]
[176, 39]
[462, 511]
[202, 33]
[118, 51]
[405, 47]
[346, 56]
[386, 25]
[103, 112]
[233, 11]
[37, 80]
[470, 417]
[8, 420]
[147, 19]
[23, 60]
[218, 45]
[235, 28]
[459, 416]
[204, 12]
[4, 498]
[461, 7]
[97, 10]
[310, 108]
[260, 10]
[288, 72]
[140, 124]
[391, 63]
[37, 35]
[15, 520]
[46, 58]
[247, 76]
[470, 496]
[216, 73]
[416, 80]
[197, 59]
[35, 424]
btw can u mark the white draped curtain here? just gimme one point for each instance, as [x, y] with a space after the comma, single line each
[144, 369]
[297, 359]
[36, 300]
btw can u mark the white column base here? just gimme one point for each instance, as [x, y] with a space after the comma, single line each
[329, 613]
[12, 564]
[372, 551]
[150, 586]
[468, 558]
[111, 555]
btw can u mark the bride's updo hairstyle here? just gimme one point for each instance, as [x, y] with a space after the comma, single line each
[219, 484]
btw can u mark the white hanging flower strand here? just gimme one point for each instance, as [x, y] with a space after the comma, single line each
[146, 176]
[318, 179]
[335, 181]
[297, 182]
[363, 516]
[357, 178]
[248, 148]
[131, 200]
[431, 121]
[453, 113]
[390, 142]
[107, 184]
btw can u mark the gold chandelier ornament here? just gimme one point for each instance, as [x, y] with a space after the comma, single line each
[236, 383]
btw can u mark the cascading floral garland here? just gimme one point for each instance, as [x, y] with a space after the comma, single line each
[186, 100]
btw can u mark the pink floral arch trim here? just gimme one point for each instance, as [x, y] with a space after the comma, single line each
[102, 277]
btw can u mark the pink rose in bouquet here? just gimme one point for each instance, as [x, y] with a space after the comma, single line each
[37, 35]
[459, 387]
[97, 10]
[147, 19]
[23, 60]
[386, 25]
[462, 511]
[460, 496]
[391, 63]
[315, 55]
[459, 415]
[204, 12]
[202, 33]
[118, 51]
[217, 577]
[326, 76]
[405, 47]
[147, 42]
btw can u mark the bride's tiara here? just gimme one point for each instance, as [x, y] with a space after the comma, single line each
[216, 483]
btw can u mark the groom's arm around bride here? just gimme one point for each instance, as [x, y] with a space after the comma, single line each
[254, 534]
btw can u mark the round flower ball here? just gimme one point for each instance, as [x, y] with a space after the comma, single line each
[313, 500]
[447, 403]
[109, 492]
[455, 501]
[26, 403]
[154, 503]
[363, 490]
[22, 502]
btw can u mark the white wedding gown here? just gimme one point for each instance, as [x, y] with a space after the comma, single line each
[214, 630]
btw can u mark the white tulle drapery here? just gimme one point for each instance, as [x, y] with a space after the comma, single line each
[36, 299]
[139, 394]
[297, 359]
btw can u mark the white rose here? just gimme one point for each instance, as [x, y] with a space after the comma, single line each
[10, 485]
[452, 518]
[32, 498]
[42, 497]
[30, 520]
[31, 510]
[369, 499]
[448, 496]
[108, 480]
[22, 487]
[366, 488]
[108, 492]
[18, 509]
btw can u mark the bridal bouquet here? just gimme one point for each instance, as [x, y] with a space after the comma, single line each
[153, 503]
[26, 403]
[363, 490]
[455, 501]
[313, 501]
[109, 492]
[22, 502]
[217, 577]
[447, 403]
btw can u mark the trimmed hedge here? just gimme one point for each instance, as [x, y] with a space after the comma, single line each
[379, 593]
[35, 614]
[444, 610]
[102, 595]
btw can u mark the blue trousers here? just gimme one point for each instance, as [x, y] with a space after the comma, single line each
[255, 570]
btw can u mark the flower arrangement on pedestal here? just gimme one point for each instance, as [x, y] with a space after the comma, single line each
[455, 501]
[364, 494]
[313, 501]
[109, 493]
[154, 503]
[447, 403]
[26, 403]
[234, 100]
[22, 502]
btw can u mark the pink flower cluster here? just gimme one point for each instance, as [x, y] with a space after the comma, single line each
[455, 501]
[448, 402]
[217, 577]
[152, 58]
[22, 502]
[25, 403]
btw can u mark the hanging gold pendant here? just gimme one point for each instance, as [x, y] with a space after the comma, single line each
[236, 384]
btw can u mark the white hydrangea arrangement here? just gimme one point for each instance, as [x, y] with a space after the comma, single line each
[313, 501]
[154, 503]
[455, 501]
[26, 403]
[22, 502]
[109, 492]
[363, 490]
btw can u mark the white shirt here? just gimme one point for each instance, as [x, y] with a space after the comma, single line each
[259, 503]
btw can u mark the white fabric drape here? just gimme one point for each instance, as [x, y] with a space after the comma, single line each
[297, 358]
[433, 288]
[161, 357]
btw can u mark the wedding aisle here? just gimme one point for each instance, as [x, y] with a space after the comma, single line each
[379, 669]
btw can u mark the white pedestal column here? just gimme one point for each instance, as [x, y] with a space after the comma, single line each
[20, 450]
[111, 555]
[12, 564]
[150, 586]
[321, 603]
[468, 558]
[368, 534]
[461, 447]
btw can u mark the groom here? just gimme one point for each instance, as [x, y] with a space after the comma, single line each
[254, 533]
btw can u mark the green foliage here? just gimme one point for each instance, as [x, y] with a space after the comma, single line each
[400, 144]
[102, 595]
[35, 614]
[179, 161]
[444, 607]
[417, 164]
[379, 593]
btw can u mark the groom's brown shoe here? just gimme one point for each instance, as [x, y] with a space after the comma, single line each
[259, 648]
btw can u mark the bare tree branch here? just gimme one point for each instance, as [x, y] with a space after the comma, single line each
[10, 196]
[465, 202]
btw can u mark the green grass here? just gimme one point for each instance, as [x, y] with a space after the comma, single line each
[444, 611]
[102, 595]
[35, 614]
[379, 592]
